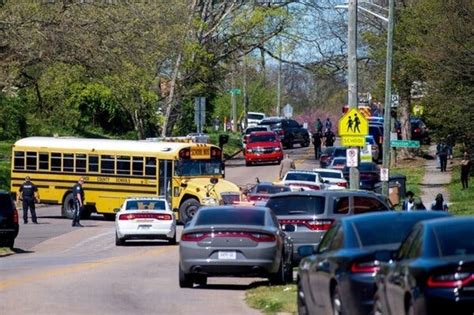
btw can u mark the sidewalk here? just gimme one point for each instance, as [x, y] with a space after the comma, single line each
[434, 181]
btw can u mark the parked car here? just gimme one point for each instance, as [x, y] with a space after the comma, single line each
[307, 215]
[302, 180]
[234, 241]
[374, 147]
[289, 131]
[253, 118]
[369, 174]
[336, 152]
[249, 130]
[338, 277]
[333, 179]
[263, 146]
[326, 156]
[419, 131]
[9, 226]
[432, 272]
[376, 131]
[338, 163]
[145, 218]
[262, 191]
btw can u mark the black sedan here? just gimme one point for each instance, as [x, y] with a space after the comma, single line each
[339, 278]
[369, 175]
[433, 272]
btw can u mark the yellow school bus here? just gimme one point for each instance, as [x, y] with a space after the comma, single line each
[188, 174]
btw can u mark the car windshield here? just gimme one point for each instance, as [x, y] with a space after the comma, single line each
[272, 123]
[252, 129]
[367, 167]
[145, 205]
[262, 138]
[307, 177]
[450, 244]
[198, 167]
[271, 189]
[339, 152]
[328, 151]
[339, 161]
[255, 116]
[330, 174]
[384, 230]
[236, 216]
[297, 205]
[5, 204]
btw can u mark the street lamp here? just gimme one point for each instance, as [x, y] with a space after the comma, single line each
[388, 79]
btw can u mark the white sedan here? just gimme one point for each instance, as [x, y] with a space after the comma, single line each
[334, 179]
[145, 218]
[299, 180]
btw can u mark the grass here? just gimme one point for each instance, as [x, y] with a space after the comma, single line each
[273, 299]
[234, 144]
[461, 200]
[414, 171]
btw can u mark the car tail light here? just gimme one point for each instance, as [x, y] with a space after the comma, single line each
[342, 184]
[193, 237]
[458, 279]
[15, 216]
[314, 225]
[155, 216]
[365, 267]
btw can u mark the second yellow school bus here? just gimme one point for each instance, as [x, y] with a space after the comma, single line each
[188, 174]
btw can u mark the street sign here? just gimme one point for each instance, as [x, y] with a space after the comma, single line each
[288, 111]
[384, 174]
[353, 141]
[199, 112]
[395, 100]
[235, 91]
[393, 136]
[366, 153]
[352, 157]
[405, 143]
[353, 123]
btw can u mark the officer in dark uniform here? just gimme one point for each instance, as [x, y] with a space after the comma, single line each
[317, 141]
[28, 194]
[78, 194]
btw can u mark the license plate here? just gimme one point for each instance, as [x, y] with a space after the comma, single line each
[144, 227]
[227, 255]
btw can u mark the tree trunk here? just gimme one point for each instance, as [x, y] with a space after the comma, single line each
[404, 112]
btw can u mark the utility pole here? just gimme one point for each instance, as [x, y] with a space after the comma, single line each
[352, 76]
[233, 101]
[244, 92]
[387, 126]
[278, 106]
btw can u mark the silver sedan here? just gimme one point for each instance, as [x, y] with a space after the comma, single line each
[234, 241]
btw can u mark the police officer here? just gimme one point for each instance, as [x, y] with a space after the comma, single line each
[28, 193]
[78, 194]
[317, 141]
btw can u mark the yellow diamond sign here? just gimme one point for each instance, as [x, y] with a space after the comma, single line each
[353, 123]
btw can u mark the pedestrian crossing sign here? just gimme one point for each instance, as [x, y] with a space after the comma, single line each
[353, 123]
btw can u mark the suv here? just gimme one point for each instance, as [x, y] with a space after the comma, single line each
[306, 216]
[253, 118]
[8, 220]
[289, 130]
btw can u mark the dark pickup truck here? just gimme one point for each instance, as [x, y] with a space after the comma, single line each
[289, 131]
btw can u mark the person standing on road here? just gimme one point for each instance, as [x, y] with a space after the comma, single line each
[78, 194]
[286, 164]
[330, 138]
[443, 152]
[439, 204]
[317, 141]
[328, 124]
[319, 126]
[28, 194]
[465, 170]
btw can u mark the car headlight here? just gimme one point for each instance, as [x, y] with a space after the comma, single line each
[249, 150]
[209, 201]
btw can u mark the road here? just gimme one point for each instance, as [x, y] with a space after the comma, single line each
[58, 269]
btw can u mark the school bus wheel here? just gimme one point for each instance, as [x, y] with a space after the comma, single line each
[188, 209]
[67, 208]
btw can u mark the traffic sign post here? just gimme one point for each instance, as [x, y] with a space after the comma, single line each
[199, 113]
[288, 111]
[384, 174]
[352, 157]
[405, 143]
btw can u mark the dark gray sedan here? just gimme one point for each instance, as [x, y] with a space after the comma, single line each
[234, 241]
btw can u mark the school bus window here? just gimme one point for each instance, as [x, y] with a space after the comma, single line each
[137, 166]
[56, 162]
[107, 164]
[44, 161]
[150, 167]
[93, 163]
[19, 161]
[80, 163]
[123, 165]
[31, 159]
[68, 162]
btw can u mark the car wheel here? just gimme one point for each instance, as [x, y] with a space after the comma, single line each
[337, 307]
[278, 278]
[409, 308]
[185, 280]
[306, 142]
[290, 143]
[300, 302]
[119, 241]
[172, 240]
[278, 162]
[67, 209]
[188, 209]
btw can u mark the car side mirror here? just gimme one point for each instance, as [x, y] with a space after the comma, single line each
[117, 210]
[306, 250]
